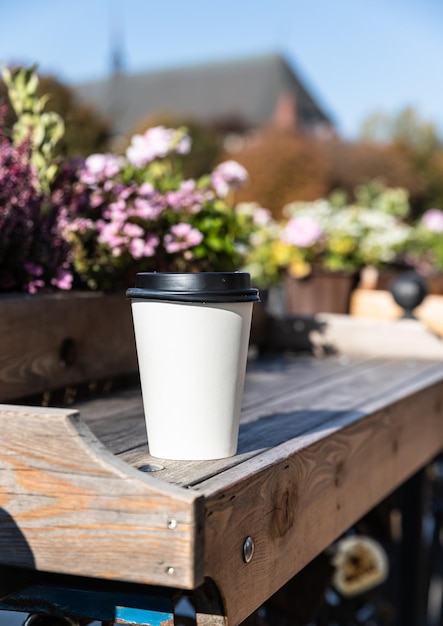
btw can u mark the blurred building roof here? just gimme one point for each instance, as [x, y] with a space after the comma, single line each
[255, 91]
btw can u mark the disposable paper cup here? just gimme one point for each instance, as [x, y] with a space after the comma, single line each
[192, 335]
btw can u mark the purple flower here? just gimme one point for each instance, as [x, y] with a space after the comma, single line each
[32, 247]
[181, 237]
[228, 176]
[187, 198]
[302, 231]
[433, 220]
[33, 269]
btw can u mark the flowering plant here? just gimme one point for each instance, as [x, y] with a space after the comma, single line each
[424, 248]
[94, 223]
[33, 252]
[333, 236]
[142, 215]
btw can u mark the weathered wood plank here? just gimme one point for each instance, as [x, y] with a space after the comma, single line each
[321, 442]
[67, 505]
[118, 419]
[302, 494]
[59, 340]
[296, 409]
[401, 338]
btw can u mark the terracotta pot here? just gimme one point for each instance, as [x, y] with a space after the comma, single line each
[320, 292]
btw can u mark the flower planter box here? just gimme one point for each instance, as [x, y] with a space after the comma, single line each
[371, 278]
[320, 292]
[60, 340]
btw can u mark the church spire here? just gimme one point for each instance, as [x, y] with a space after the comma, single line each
[117, 38]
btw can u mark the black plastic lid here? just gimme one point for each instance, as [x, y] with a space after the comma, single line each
[194, 287]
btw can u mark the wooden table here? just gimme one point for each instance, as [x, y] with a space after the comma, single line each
[322, 441]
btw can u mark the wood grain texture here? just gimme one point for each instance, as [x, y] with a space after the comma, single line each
[286, 398]
[305, 492]
[321, 442]
[35, 356]
[67, 505]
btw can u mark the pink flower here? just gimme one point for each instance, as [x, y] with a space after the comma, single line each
[35, 285]
[228, 176]
[433, 220]
[146, 189]
[181, 237]
[140, 248]
[145, 209]
[96, 199]
[80, 225]
[187, 198]
[302, 231]
[184, 145]
[63, 280]
[156, 143]
[133, 230]
[116, 211]
[109, 234]
[99, 167]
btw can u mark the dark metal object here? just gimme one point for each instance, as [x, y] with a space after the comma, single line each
[52, 604]
[409, 290]
[248, 549]
[49, 620]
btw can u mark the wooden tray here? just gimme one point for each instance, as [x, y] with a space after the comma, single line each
[322, 440]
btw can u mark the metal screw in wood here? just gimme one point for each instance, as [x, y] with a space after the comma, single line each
[248, 549]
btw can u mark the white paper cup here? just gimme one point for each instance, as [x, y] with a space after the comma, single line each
[192, 336]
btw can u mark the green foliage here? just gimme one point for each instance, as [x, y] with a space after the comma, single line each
[389, 200]
[419, 143]
[424, 247]
[43, 129]
[406, 129]
[86, 131]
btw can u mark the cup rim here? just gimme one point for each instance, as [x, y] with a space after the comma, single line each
[194, 287]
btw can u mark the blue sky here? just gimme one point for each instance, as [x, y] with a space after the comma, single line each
[356, 56]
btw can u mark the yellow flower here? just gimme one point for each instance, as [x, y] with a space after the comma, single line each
[299, 268]
[281, 253]
[343, 246]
